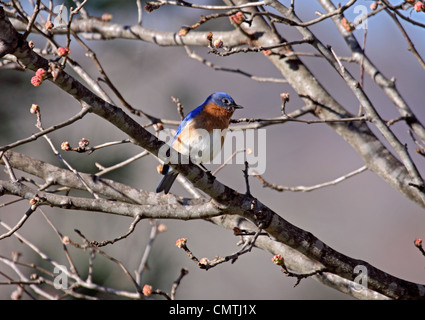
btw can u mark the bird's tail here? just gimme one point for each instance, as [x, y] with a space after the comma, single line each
[167, 181]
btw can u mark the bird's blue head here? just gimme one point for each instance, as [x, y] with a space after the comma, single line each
[223, 100]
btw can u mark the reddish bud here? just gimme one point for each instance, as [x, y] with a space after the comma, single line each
[347, 25]
[419, 6]
[237, 18]
[33, 276]
[159, 168]
[151, 6]
[159, 126]
[31, 44]
[41, 73]
[204, 261]
[180, 243]
[66, 240]
[267, 52]
[161, 228]
[17, 294]
[63, 51]
[218, 43]
[418, 242]
[35, 108]
[49, 25]
[83, 143]
[277, 259]
[237, 231]
[106, 17]
[147, 290]
[36, 81]
[65, 146]
[373, 6]
[184, 31]
[285, 96]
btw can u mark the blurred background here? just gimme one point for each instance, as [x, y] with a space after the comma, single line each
[362, 217]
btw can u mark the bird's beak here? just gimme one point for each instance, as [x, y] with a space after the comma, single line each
[236, 106]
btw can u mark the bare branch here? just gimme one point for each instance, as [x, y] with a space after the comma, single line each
[148, 250]
[195, 56]
[155, 5]
[166, 211]
[35, 136]
[311, 188]
[19, 224]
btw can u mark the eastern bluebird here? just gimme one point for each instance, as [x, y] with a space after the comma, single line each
[197, 136]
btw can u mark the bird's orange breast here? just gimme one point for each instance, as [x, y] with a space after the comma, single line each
[213, 117]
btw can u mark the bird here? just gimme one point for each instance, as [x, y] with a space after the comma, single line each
[195, 134]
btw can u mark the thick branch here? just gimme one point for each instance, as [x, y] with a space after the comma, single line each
[94, 29]
[154, 211]
[54, 175]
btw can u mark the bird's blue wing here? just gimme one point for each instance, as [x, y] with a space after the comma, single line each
[169, 174]
[192, 114]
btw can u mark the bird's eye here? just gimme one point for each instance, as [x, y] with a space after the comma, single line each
[225, 101]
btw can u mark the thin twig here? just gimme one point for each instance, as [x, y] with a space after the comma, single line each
[120, 164]
[35, 136]
[230, 159]
[322, 17]
[254, 49]
[110, 84]
[288, 118]
[32, 20]
[412, 48]
[360, 112]
[71, 17]
[311, 188]
[79, 282]
[152, 5]
[280, 261]
[37, 289]
[61, 237]
[20, 285]
[97, 244]
[88, 243]
[421, 149]
[19, 224]
[179, 107]
[49, 141]
[148, 250]
[139, 12]
[341, 67]
[106, 144]
[8, 167]
[176, 283]
[206, 264]
[193, 55]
